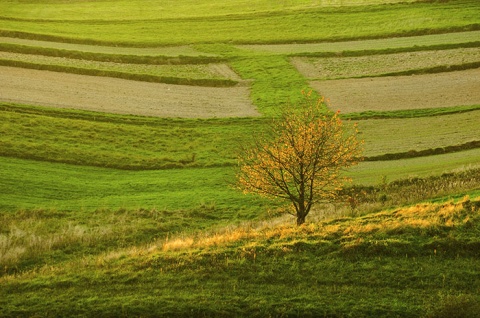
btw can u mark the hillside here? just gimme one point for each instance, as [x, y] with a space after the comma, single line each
[120, 127]
[407, 262]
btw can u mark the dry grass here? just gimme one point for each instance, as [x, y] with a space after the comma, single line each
[402, 92]
[375, 65]
[30, 239]
[420, 218]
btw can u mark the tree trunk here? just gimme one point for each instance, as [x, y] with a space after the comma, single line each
[300, 218]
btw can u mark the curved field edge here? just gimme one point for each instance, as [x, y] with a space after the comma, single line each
[189, 9]
[207, 82]
[30, 184]
[144, 143]
[277, 27]
[387, 45]
[406, 63]
[427, 250]
[118, 95]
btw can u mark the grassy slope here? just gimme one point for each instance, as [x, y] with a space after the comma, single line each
[393, 269]
[243, 26]
[404, 263]
[30, 184]
[137, 143]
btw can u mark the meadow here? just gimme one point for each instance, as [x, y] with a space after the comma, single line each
[112, 214]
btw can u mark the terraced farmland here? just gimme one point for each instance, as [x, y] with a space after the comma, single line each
[120, 125]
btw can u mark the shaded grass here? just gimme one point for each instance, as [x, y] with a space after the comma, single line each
[139, 143]
[398, 263]
[30, 184]
[360, 199]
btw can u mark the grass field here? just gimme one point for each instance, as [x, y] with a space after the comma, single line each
[278, 23]
[411, 262]
[109, 215]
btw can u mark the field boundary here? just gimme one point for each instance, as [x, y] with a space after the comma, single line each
[107, 57]
[426, 152]
[122, 75]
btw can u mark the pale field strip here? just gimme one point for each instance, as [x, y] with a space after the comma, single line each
[113, 95]
[172, 51]
[375, 65]
[388, 93]
[394, 135]
[196, 71]
[360, 45]
[371, 172]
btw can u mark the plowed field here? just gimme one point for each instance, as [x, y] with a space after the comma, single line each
[114, 95]
[402, 92]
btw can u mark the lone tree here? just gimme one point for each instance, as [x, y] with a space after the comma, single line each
[302, 157]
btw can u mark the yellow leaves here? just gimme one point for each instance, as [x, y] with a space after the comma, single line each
[303, 160]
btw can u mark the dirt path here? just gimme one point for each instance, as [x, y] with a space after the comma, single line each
[402, 92]
[122, 96]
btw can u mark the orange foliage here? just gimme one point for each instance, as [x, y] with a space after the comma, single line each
[303, 160]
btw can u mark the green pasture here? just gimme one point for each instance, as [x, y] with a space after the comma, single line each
[145, 9]
[411, 262]
[363, 46]
[115, 215]
[129, 142]
[238, 24]
[370, 173]
[28, 184]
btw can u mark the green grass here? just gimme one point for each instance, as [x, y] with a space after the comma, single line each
[31, 184]
[372, 46]
[125, 142]
[111, 215]
[43, 47]
[137, 143]
[111, 54]
[274, 25]
[135, 9]
[370, 172]
[411, 113]
[399, 263]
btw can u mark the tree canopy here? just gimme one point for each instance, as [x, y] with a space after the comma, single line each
[302, 156]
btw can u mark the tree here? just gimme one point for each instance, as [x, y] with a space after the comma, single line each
[302, 157]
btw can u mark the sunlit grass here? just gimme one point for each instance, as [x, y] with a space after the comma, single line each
[277, 26]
